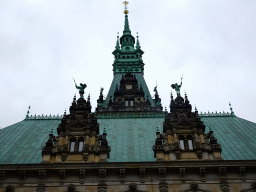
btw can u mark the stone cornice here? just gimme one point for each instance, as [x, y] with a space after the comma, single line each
[134, 165]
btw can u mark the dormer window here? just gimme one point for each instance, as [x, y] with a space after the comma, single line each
[81, 145]
[182, 146]
[190, 144]
[72, 145]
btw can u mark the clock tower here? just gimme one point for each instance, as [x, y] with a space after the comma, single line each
[128, 91]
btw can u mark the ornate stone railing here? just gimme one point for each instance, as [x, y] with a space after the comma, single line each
[130, 115]
[50, 117]
[216, 114]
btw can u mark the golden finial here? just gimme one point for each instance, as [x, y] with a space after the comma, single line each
[125, 4]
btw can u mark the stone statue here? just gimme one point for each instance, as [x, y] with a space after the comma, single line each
[81, 88]
[177, 87]
[155, 90]
[101, 90]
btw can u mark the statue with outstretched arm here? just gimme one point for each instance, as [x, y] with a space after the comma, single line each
[177, 87]
[80, 88]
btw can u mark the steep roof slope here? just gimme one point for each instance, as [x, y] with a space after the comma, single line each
[131, 139]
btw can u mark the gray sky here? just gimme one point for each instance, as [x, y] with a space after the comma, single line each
[45, 43]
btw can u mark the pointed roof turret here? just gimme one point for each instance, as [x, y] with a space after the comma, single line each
[27, 116]
[126, 22]
[117, 41]
[138, 43]
[126, 25]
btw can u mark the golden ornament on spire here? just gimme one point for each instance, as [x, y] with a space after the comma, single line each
[125, 4]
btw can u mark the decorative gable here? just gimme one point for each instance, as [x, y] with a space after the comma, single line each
[184, 136]
[78, 137]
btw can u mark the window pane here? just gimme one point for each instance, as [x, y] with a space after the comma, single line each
[126, 103]
[182, 144]
[81, 144]
[72, 146]
[131, 103]
[190, 144]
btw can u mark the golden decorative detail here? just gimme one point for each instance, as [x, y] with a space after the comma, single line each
[125, 4]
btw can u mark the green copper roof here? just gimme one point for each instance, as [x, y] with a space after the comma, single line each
[131, 139]
[21, 143]
[236, 135]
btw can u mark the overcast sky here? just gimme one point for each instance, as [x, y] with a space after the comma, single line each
[44, 43]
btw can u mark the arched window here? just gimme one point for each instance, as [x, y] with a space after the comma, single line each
[126, 103]
[182, 146]
[131, 103]
[72, 145]
[190, 143]
[81, 144]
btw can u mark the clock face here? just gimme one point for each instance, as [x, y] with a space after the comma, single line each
[128, 87]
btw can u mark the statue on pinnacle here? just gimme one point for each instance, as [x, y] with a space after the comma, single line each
[101, 90]
[177, 87]
[80, 88]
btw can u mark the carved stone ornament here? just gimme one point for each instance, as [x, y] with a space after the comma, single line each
[102, 190]
[163, 187]
[224, 187]
[222, 173]
[194, 188]
[133, 188]
[40, 188]
[71, 188]
[162, 174]
[122, 175]
[82, 175]
[41, 176]
[9, 188]
[142, 175]
[202, 173]
[102, 175]
[163, 190]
